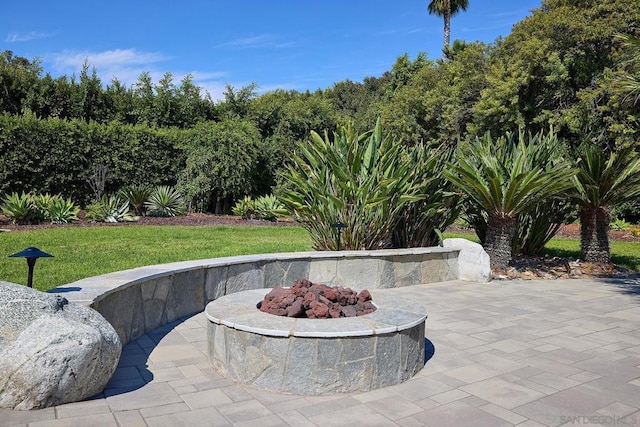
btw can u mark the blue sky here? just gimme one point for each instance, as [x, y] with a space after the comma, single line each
[289, 44]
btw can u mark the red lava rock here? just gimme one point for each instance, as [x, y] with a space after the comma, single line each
[317, 301]
[364, 296]
[295, 309]
[349, 311]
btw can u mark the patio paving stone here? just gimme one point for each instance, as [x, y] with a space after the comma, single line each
[505, 353]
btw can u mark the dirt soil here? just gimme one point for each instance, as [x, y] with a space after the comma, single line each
[194, 219]
[528, 268]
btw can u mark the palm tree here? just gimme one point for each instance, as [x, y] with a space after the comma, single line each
[603, 182]
[502, 181]
[447, 9]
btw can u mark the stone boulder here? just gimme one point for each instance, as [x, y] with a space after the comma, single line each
[51, 351]
[473, 262]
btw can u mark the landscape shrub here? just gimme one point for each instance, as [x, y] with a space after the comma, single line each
[366, 182]
[269, 208]
[538, 223]
[137, 195]
[19, 208]
[246, 208]
[503, 180]
[27, 208]
[165, 201]
[57, 156]
[111, 208]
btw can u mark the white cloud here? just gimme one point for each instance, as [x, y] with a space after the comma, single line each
[105, 60]
[25, 37]
[128, 64]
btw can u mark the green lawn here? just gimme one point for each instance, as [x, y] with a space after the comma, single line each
[625, 254]
[89, 251]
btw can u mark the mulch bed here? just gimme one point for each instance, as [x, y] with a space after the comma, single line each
[193, 219]
[551, 268]
[527, 268]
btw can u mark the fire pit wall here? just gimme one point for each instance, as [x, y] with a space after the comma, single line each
[316, 356]
[139, 300]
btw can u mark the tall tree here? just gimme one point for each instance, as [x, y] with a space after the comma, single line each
[446, 9]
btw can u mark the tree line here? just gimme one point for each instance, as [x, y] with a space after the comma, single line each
[566, 66]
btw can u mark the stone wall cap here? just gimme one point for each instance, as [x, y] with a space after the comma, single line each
[239, 311]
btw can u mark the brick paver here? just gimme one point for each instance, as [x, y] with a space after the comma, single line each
[526, 353]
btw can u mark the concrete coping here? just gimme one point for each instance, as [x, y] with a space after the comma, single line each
[88, 290]
[239, 311]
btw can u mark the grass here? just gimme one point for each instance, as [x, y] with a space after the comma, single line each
[81, 252]
[625, 254]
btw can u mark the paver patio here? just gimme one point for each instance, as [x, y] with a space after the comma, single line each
[525, 353]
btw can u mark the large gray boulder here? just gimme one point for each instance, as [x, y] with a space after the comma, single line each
[51, 351]
[473, 262]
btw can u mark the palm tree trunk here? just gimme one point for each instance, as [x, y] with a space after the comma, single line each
[594, 238]
[500, 232]
[447, 25]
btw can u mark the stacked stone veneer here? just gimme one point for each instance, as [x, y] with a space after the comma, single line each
[139, 300]
[316, 356]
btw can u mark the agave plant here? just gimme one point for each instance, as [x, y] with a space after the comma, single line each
[20, 208]
[362, 181]
[269, 208]
[503, 180]
[165, 201]
[137, 195]
[245, 207]
[42, 203]
[110, 209]
[603, 181]
[61, 211]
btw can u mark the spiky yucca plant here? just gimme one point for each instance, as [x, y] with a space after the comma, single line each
[502, 180]
[363, 181]
[604, 180]
[421, 223]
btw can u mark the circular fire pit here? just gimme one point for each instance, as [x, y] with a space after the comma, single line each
[316, 356]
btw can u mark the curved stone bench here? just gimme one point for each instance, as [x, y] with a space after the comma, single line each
[139, 300]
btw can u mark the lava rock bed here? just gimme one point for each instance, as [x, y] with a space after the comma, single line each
[316, 301]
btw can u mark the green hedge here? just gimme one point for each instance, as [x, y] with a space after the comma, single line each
[57, 156]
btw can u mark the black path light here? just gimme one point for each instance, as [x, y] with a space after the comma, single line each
[31, 254]
[339, 226]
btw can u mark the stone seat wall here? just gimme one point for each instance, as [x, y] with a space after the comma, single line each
[139, 300]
